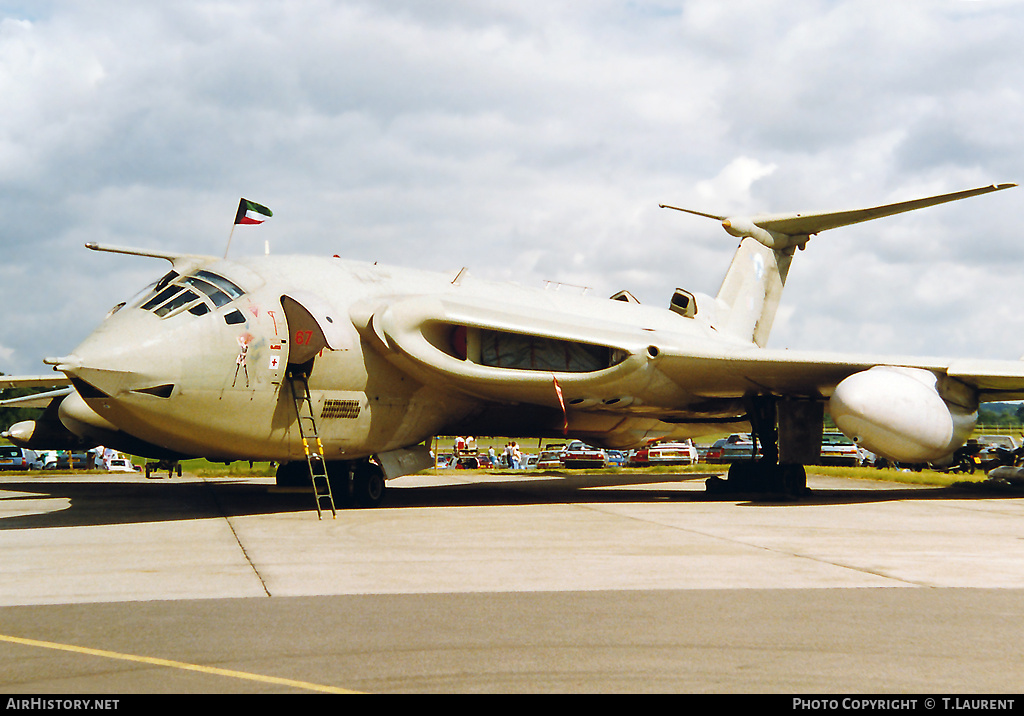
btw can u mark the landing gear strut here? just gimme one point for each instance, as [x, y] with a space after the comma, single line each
[765, 474]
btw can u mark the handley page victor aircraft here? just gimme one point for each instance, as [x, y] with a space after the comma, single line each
[343, 370]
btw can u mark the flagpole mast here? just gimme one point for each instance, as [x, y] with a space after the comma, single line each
[229, 240]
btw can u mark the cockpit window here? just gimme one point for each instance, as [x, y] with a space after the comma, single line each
[182, 299]
[160, 298]
[167, 278]
[201, 292]
[218, 297]
[221, 283]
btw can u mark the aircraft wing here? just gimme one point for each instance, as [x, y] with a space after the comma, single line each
[649, 372]
[816, 374]
[38, 400]
[51, 380]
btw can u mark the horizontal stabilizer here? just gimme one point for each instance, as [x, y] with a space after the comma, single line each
[783, 231]
[805, 224]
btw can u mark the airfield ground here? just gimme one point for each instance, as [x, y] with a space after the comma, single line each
[522, 582]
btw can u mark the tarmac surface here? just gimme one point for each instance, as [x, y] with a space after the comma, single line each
[539, 582]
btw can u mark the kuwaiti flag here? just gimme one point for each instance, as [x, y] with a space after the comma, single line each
[249, 212]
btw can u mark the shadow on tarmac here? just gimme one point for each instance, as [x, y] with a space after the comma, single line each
[96, 503]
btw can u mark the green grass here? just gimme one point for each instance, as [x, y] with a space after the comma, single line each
[205, 468]
[925, 477]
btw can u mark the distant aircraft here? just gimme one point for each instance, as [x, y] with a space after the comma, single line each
[344, 370]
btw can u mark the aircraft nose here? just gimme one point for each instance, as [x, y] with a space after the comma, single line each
[126, 354]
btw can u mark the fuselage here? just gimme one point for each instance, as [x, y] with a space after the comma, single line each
[197, 364]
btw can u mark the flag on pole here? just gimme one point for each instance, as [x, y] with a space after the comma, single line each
[249, 212]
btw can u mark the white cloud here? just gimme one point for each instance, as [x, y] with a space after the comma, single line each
[527, 140]
[732, 184]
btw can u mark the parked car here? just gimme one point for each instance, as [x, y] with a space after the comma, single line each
[665, 452]
[672, 452]
[76, 461]
[121, 464]
[616, 458]
[549, 460]
[443, 462]
[837, 449]
[738, 446]
[579, 455]
[16, 458]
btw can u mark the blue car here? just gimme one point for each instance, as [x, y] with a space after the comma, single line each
[616, 458]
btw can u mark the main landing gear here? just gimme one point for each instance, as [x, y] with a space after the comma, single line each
[354, 483]
[767, 474]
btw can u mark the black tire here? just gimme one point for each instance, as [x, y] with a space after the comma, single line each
[368, 485]
[293, 474]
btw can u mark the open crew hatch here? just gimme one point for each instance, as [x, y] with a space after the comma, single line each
[521, 351]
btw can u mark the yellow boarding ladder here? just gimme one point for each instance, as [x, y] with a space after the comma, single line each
[311, 444]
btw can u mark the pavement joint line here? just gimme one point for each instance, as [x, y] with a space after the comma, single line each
[762, 547]
[231, 526]
[154, 661]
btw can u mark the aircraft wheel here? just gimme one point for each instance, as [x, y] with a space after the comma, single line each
[338, 475]
[293, 474]
[368, 485]
[745, 476]
[794, 479]
[760, 477]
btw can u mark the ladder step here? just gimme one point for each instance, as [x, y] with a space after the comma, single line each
[311, 444]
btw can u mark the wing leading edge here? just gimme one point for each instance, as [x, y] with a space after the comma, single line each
[653, 371]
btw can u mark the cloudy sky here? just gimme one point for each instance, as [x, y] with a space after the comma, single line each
[526, 140]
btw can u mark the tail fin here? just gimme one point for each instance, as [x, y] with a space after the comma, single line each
[750, 294]
[751, 291]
